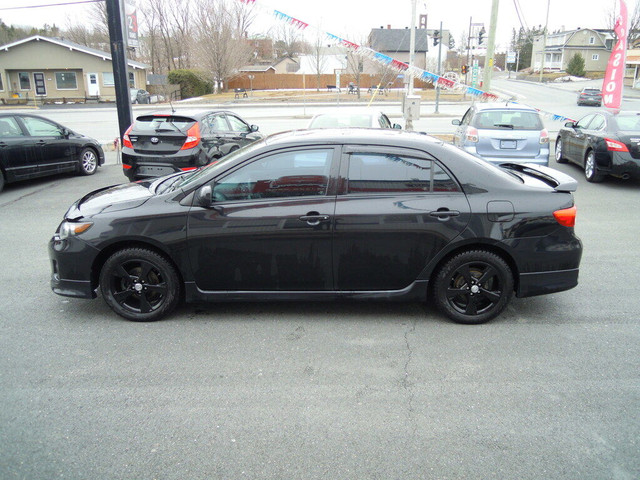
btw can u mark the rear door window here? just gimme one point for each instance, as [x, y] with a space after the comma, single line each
[9, 128]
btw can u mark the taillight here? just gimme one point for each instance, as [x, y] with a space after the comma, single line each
[193, 137]
[472, 134]
[126, 141]
[566, 217]
[544, 136]
[188, 169]
[615, 146]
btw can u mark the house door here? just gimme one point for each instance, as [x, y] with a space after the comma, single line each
[93, 89]
[41, 87]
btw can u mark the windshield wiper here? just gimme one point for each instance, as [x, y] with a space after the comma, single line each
[503, 125]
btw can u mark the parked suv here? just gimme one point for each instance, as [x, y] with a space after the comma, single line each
[158, 144]
[503, 133]
[590, 96]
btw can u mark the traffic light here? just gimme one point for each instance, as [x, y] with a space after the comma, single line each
[436, 37]
[452, 42]
[481, 35]
[465, 69]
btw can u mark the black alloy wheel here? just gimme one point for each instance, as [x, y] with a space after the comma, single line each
[591, 168]
[473, 287]
[559, 157]
[139, 284]
[88, 161]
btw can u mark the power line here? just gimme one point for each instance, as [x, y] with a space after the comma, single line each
[50, 5]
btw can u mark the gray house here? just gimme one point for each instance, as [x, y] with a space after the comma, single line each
[594, 45]
[52, 68]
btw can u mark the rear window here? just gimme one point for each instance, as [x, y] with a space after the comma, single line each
[628, 122]
[592, 91]
[507, 119]
[152, 123]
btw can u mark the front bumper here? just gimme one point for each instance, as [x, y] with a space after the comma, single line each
[71, 261]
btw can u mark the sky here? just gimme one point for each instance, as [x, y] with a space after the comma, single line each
[352, 20]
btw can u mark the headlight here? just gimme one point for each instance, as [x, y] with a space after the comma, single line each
[70, 229]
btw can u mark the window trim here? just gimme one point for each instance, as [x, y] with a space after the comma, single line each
[595, 57]
[105, 83]
[1, 83]
[20, 81]
[55, 74]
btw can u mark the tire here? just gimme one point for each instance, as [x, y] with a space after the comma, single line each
[591, 168]
[88, 161]
[139, 284]
[473, 287]
[559, 157]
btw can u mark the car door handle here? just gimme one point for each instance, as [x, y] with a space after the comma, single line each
[2, 144]
[444, 213]
[314, 219]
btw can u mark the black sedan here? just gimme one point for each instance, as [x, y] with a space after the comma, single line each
[603, 144]
[161, 143]
[32, 146]
[325, 214]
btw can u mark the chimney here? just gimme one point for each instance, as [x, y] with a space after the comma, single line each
[388, 27]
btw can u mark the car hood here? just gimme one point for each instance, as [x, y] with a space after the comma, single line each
[110, 199]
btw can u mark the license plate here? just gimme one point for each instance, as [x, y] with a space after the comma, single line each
[508, 144]
[145, 170]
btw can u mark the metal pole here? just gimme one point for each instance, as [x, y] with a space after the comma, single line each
[466, 75]
[544, 41]
[439, 67]
[119, 63]
[412, 49]
[491, 45]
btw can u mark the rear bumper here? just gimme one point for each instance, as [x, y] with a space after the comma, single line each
[138, 166]
[541, 159]
[623, 165]
[541, 283]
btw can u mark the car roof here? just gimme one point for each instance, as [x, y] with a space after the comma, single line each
[504, 106]
[354, 135]
[189, 113]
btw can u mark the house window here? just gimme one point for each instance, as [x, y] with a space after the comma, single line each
[107, 79]
[595, 56]
[1, 84]
[66, 81]
[592, 40]
[132, 80]
[25, 82]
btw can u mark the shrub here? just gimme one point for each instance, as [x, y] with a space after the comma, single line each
[576, 66]
[193, 83]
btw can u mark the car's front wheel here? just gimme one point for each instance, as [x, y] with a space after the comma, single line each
[559, 157]
[591, 168]
[88, 161]
[139, 284]
[473, 287]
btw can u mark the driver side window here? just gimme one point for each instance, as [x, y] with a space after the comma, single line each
[289, 174]
[584, 123]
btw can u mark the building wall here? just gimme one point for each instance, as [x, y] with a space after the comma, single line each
[49, 59]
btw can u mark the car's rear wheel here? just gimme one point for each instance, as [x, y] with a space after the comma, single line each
[559, 157]
[473, 287]
[139, 284]
[591, 168]
[88, 161]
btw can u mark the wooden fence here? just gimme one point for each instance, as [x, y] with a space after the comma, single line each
[290, 81]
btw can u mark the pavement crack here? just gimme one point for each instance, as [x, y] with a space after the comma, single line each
[406, 383]
[22, 197]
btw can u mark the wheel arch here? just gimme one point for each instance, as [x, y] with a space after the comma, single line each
[109, 250]
[488, 245]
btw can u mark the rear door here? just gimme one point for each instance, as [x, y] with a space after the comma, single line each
[396, 211]
[17, 151]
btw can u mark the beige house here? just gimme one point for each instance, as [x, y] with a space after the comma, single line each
[51, 69]
[593, 45]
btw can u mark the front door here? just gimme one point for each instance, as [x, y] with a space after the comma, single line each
[53, 150]
[93, 88]
[269, 227]
[398, 211]
[38, 81]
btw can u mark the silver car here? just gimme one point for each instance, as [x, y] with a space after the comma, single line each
[352, 117]
[502, 133]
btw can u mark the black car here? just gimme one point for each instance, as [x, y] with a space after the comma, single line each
[590, 96]
[603, 144]
[139, 95]
[325, 214]
[161, 143]
[32, 146]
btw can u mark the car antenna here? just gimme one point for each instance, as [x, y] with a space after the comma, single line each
[173, 110]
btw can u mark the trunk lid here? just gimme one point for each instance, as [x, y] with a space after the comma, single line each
[160, 134]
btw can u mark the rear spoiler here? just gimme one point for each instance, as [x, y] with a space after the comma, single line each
[561, 182]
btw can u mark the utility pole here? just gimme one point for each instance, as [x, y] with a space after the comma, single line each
[119, 63]
[439, 67]
[544, 42]
[412, 50]
[491, 46]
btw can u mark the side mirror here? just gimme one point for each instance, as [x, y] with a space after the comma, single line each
[65, 132]
[204, 197]
[570, 124]
[397, 126]
[254, 128]
[455, 122]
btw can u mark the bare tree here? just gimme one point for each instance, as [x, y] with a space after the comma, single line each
[318, 58]
[93, 33]
[169, 33]
[220, 46]
[288, 41]
[633, 35]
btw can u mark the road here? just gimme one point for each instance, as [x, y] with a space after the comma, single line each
[551, 389]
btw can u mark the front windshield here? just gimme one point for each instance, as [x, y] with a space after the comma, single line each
[216, 165]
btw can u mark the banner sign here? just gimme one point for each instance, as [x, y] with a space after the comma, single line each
[614, 76]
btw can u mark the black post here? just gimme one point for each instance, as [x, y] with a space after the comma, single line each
[119, 62]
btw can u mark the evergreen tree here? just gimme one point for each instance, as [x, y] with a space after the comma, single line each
[576, 66]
